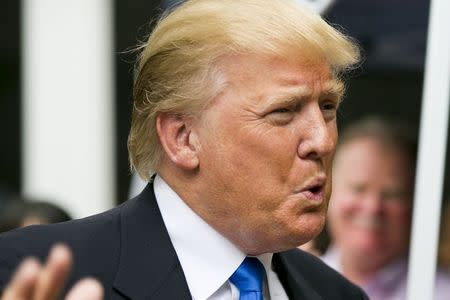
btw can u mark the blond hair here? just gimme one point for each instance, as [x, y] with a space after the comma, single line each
[178, 68]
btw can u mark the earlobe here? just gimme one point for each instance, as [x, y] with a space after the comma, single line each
[176, 139]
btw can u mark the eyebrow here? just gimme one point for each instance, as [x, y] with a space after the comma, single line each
[334, 88]
[331, 87]
[292, 95]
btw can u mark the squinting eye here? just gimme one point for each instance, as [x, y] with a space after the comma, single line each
[329, 109]
[281, 116]
[281, 110]
[329, 105]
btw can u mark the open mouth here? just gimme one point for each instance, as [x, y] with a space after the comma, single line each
[314, 189]
[314, 193]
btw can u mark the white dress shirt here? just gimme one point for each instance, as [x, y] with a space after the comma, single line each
[208, 259]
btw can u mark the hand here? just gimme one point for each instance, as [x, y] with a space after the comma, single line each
[33, 281]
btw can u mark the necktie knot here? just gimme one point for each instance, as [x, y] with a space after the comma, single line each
[248, 278]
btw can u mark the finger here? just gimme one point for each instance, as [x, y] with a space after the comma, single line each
[54, 274]
[23, 282]
[86, 289]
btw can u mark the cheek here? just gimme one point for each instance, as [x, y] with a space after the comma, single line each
[263, 158]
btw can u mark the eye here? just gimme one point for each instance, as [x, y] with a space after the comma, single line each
[393, 195]
[281, 116]
[329, 109]
[358, 188]
[281, 110]
[329, 106]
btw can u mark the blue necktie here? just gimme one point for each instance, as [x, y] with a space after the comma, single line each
[248, 278]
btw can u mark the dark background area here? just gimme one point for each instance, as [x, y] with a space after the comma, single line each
[392, 34]
[133, 23]
[10, 96]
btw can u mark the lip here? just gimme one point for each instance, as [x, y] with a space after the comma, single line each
[314, 189]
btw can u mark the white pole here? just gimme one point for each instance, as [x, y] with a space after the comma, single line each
[431, 156]
[68, 103]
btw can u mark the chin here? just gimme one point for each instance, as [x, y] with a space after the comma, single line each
[302, 236]
[313, 222]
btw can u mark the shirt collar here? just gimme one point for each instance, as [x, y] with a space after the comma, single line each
[208, 259]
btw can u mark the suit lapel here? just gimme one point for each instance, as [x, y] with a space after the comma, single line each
[148, 266]
[293, 281]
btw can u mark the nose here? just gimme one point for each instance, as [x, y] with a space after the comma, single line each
[319, 135]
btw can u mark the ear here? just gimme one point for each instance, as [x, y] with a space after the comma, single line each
[177, 140]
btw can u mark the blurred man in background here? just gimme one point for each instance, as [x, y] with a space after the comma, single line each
[370, 208]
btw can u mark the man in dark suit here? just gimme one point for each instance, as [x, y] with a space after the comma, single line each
[234, 125]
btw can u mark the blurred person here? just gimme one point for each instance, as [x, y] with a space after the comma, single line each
[41, 212]
[234, 125]
[24, 212]
[369, 217]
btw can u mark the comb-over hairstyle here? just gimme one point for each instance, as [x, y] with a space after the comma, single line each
[179, 71]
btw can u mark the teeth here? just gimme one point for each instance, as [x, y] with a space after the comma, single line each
[368, 223]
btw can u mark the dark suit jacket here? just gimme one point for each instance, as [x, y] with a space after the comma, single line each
[129, 250]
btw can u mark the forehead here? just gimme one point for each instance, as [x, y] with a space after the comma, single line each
[366, 157]
[261, 72]
[241, 65]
